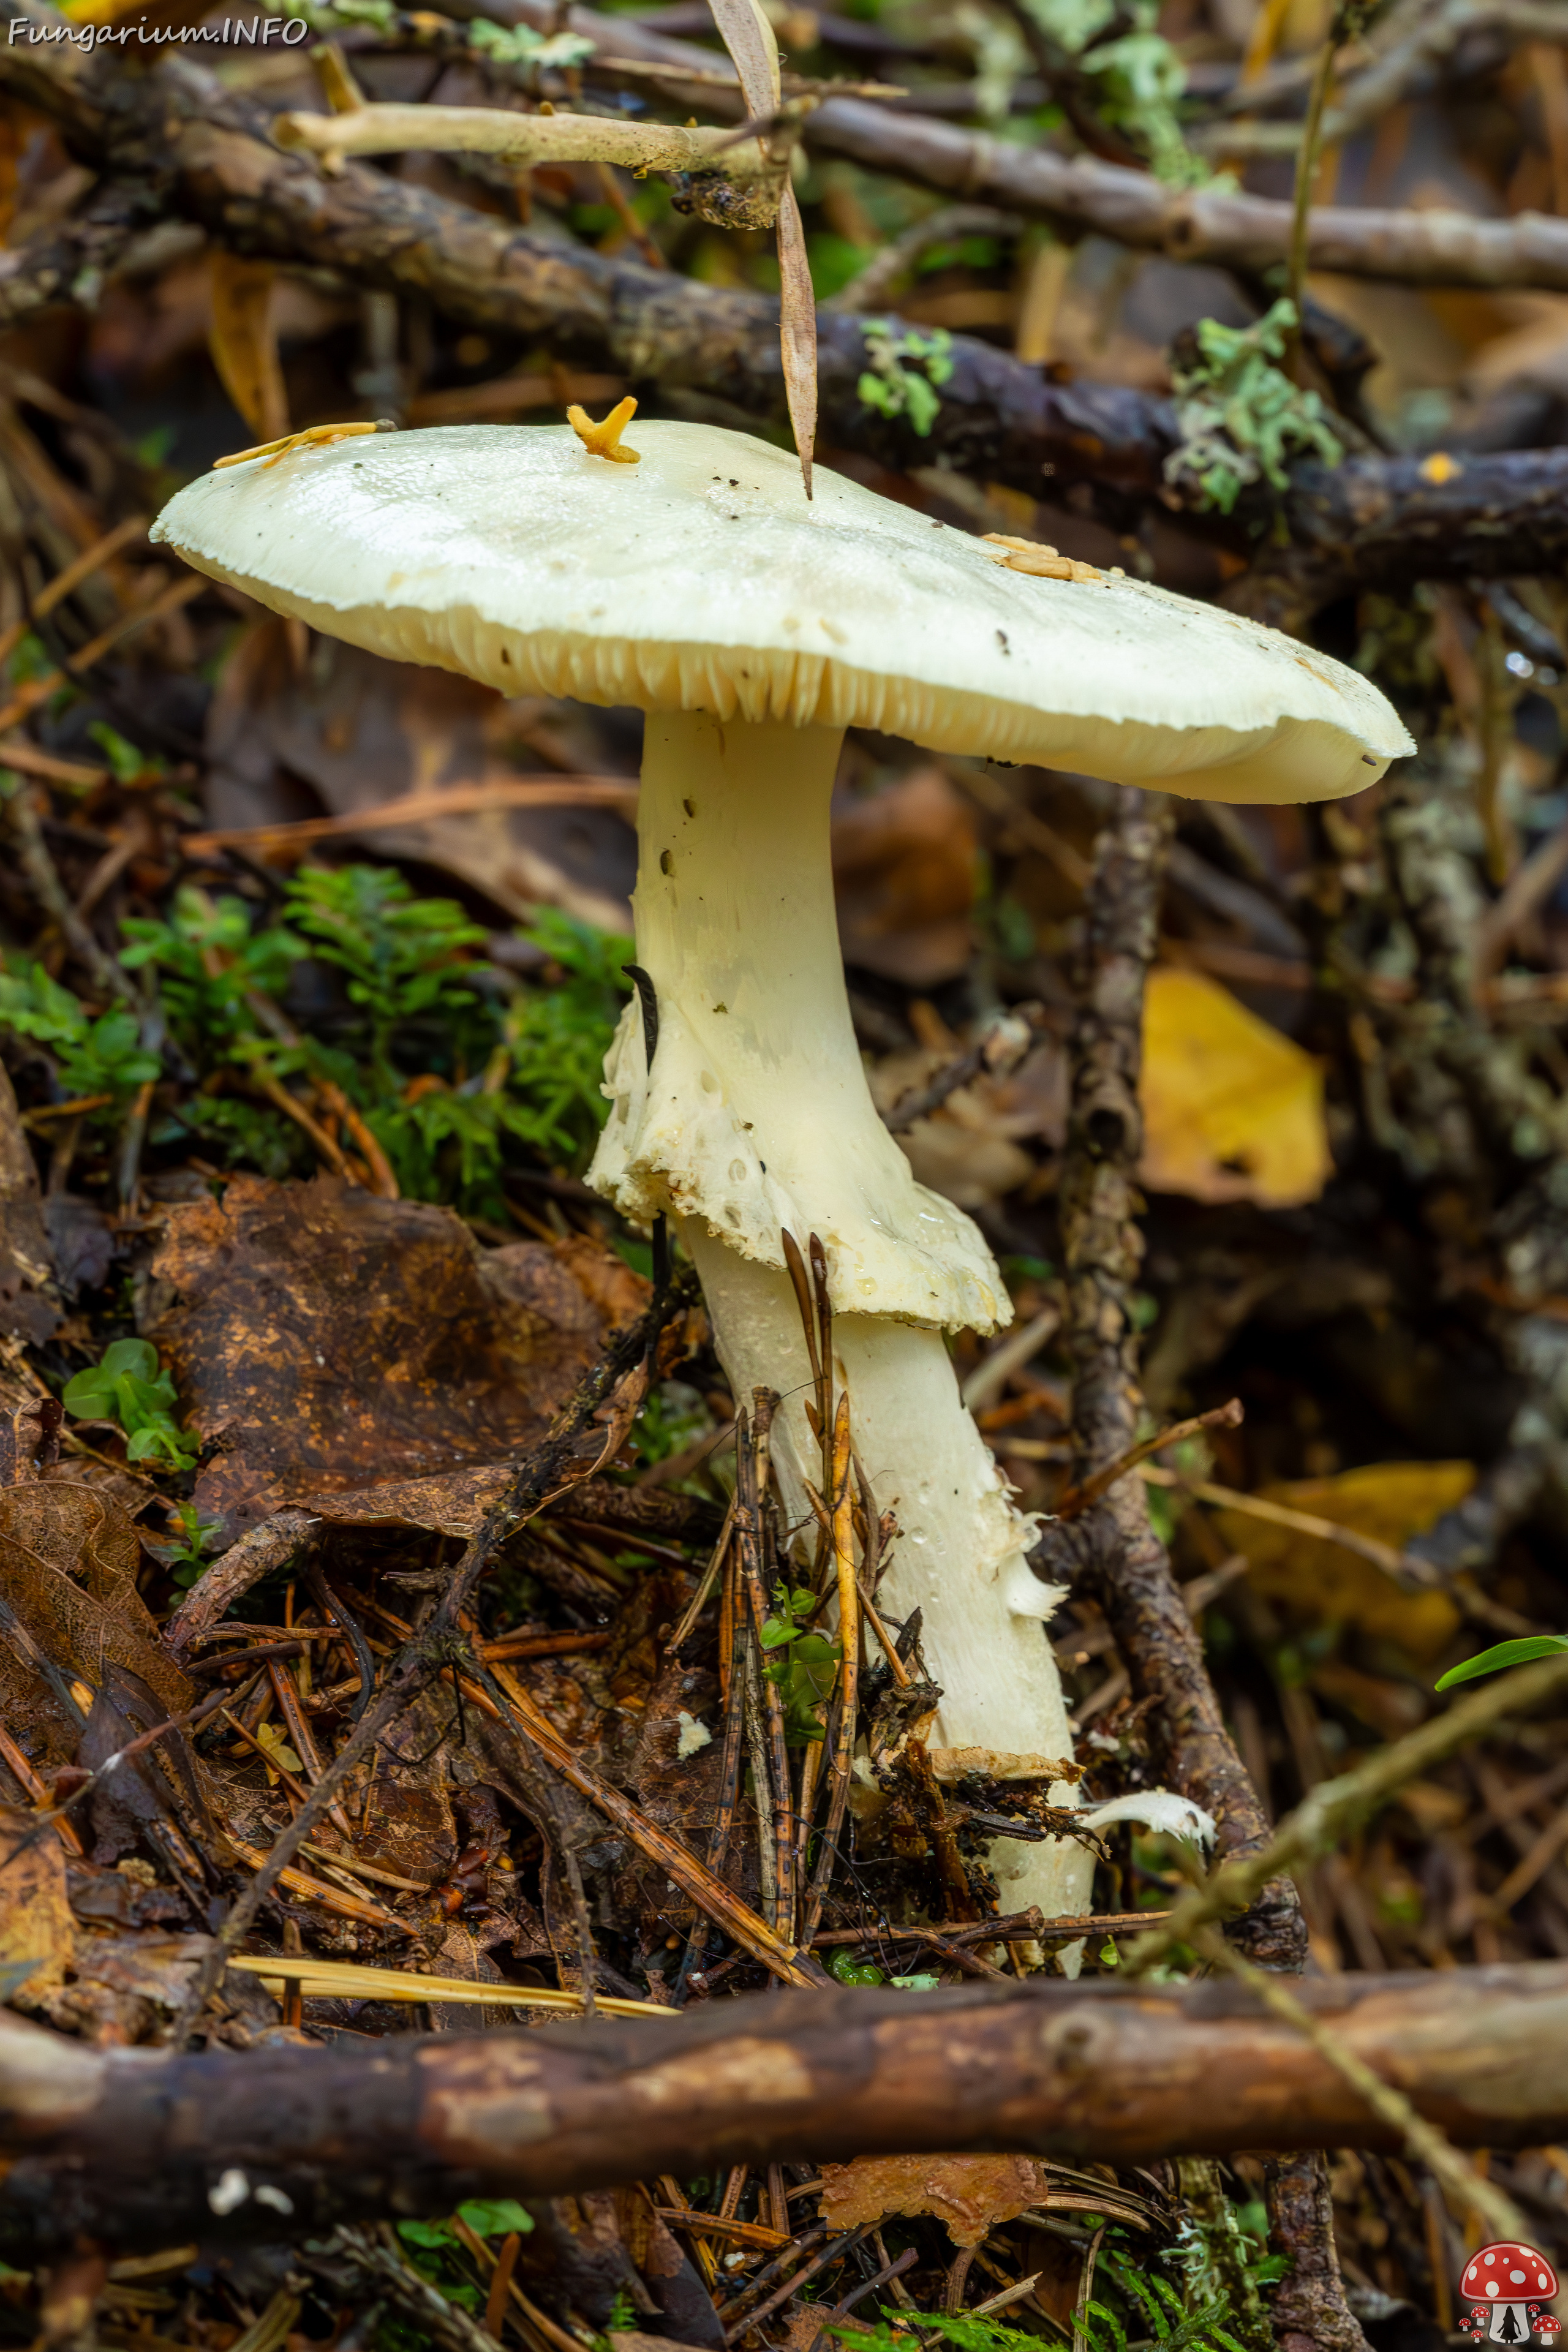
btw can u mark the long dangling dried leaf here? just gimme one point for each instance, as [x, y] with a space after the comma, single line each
[797, 330]
[243, 343]
[749, 38]
[745, 29]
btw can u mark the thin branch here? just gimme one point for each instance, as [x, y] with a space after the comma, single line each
[1334, 1807]
[1234, 231]
[1469, 2189]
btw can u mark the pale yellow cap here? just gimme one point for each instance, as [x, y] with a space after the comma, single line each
[702, 579]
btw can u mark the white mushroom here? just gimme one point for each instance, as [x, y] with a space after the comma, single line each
[753, 628]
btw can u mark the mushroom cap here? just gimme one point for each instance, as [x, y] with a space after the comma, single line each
[702, 579]
[1509, 2273]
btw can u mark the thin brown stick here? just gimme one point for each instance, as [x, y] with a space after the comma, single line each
[1334, 1807]
[848, 1685]
[1077, 1498]
[1425, 2145]
[780, 1828]
[423, 808]
[82, 567]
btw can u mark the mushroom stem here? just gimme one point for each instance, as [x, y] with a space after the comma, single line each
[756, 1117]
[959, 1556]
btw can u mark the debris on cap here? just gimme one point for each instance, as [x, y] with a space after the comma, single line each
[1038, 561]
[604, 440]
[312, 436]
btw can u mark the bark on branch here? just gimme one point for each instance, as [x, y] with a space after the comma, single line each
[1250, 234]
[1234, 231]
[1374, 520]
[70, 260]
[1103, 1249]
[129, 2145]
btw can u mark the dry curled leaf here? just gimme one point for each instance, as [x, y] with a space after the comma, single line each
[747, 34]
[797, 330]
[1232, 1110]
[243, 341]
[329, 1340]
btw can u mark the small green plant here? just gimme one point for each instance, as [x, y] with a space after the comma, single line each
[1502, 1656]
[1171, 2326]
[127, 1386]
[452, 1065]
[1240, 416]
[804, 1664]
[622, 2316]
[1163, 2324]
[187, 1560]
[433, 2246]
[92, 1054]
[557, 1036]
[495, 1064]
[406, 962]
[893, 389]
[341, 14]
[851, 1971]
[1222, 2251]
[127, 765]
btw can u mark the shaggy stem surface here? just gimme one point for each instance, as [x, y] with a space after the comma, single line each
[755, 1116]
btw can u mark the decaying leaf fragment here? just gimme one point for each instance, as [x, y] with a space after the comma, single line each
[970, 2194]
[244, 342]
[330, 1340]
[748, 34]
[1232, 1110]
[1312, 1579]
[71, 1618]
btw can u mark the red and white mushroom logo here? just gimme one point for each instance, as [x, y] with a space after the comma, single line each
[1507, 2285]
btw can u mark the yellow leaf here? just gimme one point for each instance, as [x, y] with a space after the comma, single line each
[35, 1916]
[1307, 1577]
[278, 1750]
[1232, 1110]
[243, 343]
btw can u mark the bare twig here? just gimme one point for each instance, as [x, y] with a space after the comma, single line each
[1469, 2190]
[1332, 1809]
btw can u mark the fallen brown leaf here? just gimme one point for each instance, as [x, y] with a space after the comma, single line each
[243, 339]
[72, 1615]
[970, 2194]
[329, 1340]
